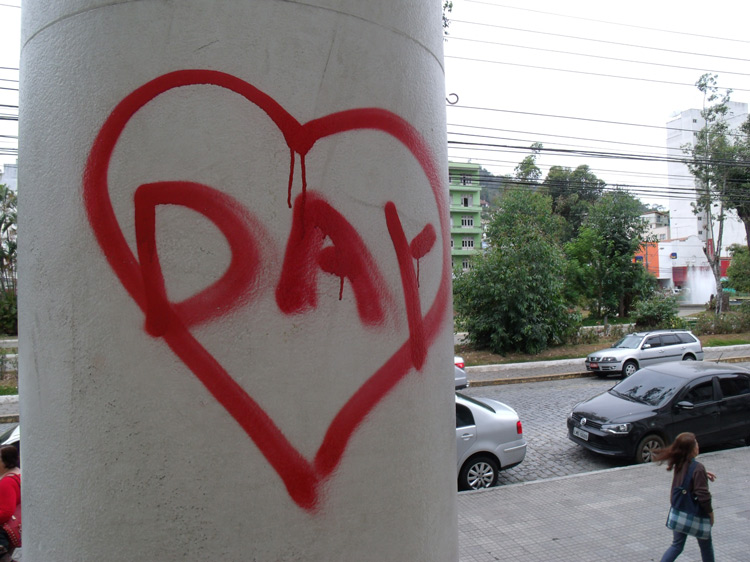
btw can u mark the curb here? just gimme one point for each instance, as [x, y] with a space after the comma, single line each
[563, 376]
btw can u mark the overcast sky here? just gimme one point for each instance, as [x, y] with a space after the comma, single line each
[583, 75]
[635, 63]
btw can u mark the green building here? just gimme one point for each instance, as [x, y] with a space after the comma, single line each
[466, 213]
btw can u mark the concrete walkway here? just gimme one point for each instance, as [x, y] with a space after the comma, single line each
[610, 515]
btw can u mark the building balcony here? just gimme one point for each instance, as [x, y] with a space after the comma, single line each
[465, 251]
[466, 230]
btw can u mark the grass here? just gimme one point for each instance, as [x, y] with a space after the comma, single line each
[8, 390]
[473, 357]
[719, 343]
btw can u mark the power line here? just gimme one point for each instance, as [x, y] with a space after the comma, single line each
[538, 134]
[610, 22]
[589, 55]
[599, 40]
[652, 80]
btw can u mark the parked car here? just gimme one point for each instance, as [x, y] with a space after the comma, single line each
[642, 349]
[649, 409]
[459, 362]
[489, 438]
[461, 380]
[11, 437]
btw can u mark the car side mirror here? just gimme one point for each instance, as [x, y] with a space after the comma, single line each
[646, 345]
[684, 405]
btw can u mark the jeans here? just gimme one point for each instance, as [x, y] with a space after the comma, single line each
[678, 543]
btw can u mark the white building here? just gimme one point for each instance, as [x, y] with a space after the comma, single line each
[683, 222]
[9, 176]
[658, 225]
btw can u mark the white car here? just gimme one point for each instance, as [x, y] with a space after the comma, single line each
[460, 376]
[489, 438]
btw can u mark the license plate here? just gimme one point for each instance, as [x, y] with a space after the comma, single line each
[581, 434]
[594, 365]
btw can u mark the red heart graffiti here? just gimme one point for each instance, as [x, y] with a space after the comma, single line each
[142, 277]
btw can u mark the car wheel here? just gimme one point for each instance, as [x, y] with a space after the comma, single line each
[646, 448]
[629, 368]
[477, 473]
[689, 357]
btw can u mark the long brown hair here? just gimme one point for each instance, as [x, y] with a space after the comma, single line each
[679, 452]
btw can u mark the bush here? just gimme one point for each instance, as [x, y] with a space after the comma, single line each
[8, 314]
[733, 322]
[658, 311]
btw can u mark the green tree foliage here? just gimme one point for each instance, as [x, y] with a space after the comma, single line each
[447, 9]
[512, 299]
[572, 192]
[601, 271]
[527, 172]
[8, 258]
[721, 174]
[739, 270]
[738, 177]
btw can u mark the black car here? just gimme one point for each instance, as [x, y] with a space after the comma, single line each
[650, 408]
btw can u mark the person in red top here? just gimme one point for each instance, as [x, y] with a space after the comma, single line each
[10, 491]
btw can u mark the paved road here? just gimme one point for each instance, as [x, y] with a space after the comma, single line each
[543, 408]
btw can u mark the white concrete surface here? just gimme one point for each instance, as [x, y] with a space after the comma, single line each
[226, 353]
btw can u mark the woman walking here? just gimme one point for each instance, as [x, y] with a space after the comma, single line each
[693, 477]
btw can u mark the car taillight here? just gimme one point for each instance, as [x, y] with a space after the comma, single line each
[460, 365]
[519, 428]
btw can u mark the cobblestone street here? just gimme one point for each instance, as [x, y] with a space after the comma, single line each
[543, 408]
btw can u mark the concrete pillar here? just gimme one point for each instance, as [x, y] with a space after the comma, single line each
[235, 299]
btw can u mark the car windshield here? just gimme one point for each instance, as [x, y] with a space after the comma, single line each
[629, 342]
[648, 387]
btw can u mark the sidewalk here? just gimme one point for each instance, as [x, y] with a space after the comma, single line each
[616, 514]
[511, 373]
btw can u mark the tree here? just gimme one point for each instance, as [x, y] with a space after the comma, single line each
[527, 171]
[739, 270]
[715, 162]
[738, 177]
[447, 9]
[572, 192]
[602, 271]
[512, 299]
[8, 258]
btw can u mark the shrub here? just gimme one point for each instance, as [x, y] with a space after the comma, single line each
[8, 314]
[734, 322]
[658, 311]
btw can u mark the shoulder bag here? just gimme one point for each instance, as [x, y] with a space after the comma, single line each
[685, 512]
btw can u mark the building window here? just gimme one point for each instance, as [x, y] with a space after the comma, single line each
[662, 236]
[466, 200]
[467, 243]
[467, 221]
[466, 264]
[695, 120]
[700, 232]
[451, 242]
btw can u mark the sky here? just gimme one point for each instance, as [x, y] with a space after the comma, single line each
[584, 75]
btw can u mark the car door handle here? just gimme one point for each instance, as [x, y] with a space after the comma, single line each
[467, 436]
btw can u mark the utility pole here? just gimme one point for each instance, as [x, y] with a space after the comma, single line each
[235, 329]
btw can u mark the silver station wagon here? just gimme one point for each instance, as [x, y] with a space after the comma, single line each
[642, 349]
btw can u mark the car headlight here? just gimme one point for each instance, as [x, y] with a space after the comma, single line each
[618, 428]
[609, 360]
